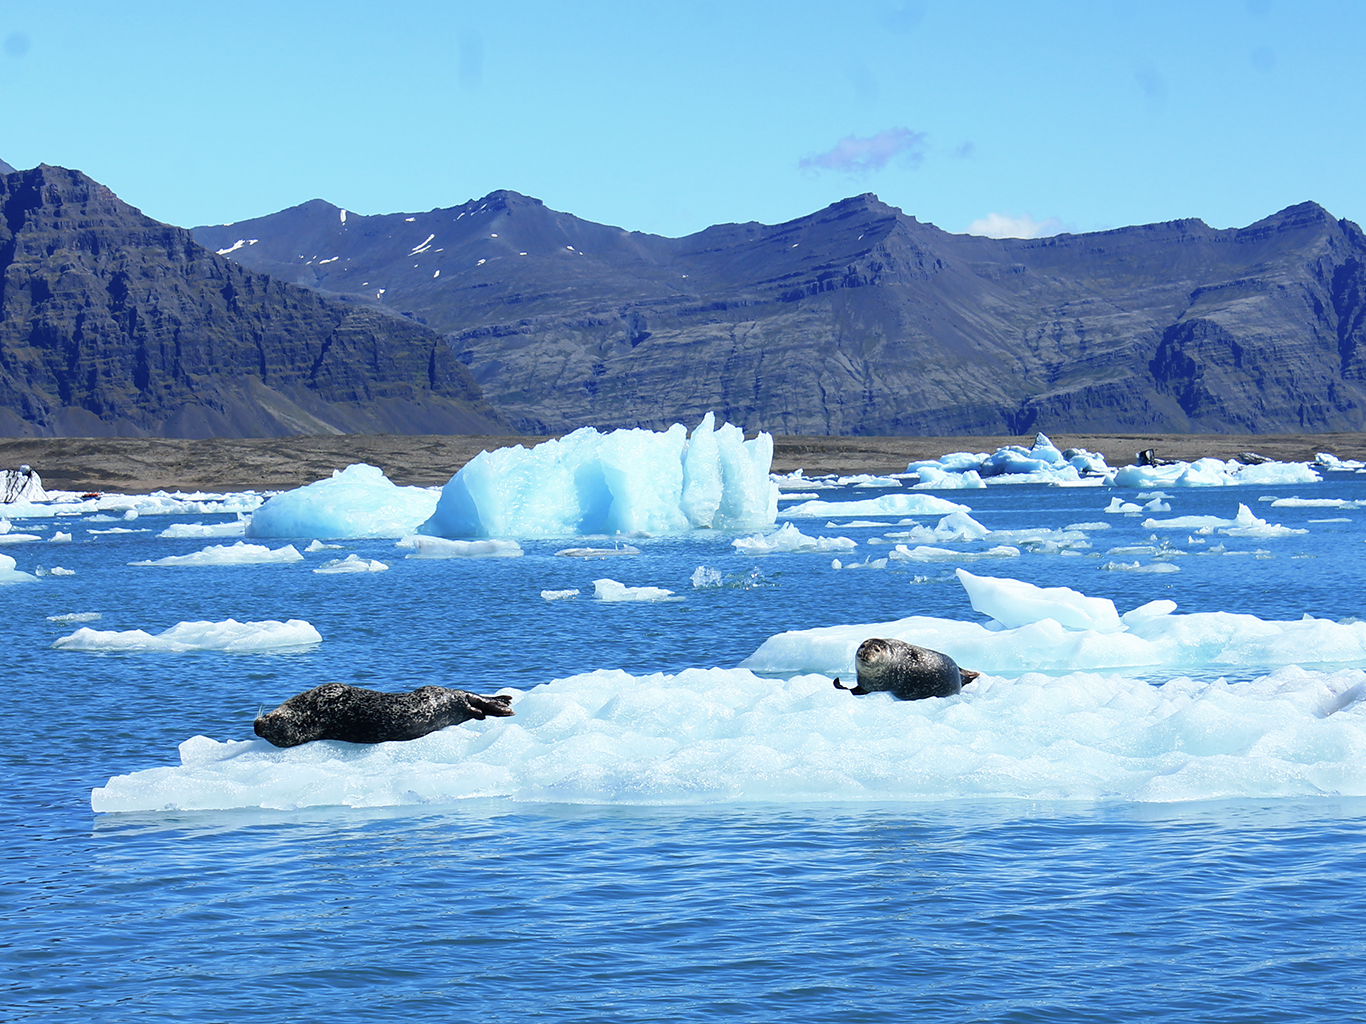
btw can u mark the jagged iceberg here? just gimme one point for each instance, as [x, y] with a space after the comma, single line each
[1012, 463]
[624, 482]
[355, 502]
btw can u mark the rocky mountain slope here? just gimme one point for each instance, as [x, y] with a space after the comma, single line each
[859, 319]
[114, 324]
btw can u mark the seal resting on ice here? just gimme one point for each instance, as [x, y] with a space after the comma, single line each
[905, 671]
[335, 711]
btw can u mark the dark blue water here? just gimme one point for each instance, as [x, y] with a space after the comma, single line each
[494, 911]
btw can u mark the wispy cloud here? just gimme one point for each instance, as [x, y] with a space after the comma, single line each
[997, 225]
[854, 155]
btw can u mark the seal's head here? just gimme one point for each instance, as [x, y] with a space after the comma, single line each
[877, 662]
[296, 720]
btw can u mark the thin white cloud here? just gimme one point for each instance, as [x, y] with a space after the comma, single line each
[855, 155]
[998, 225]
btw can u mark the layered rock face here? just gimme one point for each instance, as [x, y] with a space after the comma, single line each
[114, 324]
[859, 319]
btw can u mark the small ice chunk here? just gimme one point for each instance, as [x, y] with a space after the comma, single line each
[560, 595]
[789, 538]
[351, 563]
[611, 590]
[440, 547]
[617, 549]
[1016, 603]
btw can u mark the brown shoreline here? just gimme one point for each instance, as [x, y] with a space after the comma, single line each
[141, 464]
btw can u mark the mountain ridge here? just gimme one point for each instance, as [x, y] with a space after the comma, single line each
[112, 323]
[860, 319]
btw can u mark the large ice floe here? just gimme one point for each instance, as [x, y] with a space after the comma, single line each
[1058, 629]
[358, 501]
[703, 736]
[240, 553]
[624, 482]
[229, 636]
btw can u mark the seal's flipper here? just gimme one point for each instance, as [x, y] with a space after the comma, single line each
[841, 686]
[968, 675]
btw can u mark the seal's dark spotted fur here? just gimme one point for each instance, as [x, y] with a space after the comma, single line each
[335, 711]
[906, 671]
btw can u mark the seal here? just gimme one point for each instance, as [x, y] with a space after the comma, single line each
[906, 671]
[335, 711]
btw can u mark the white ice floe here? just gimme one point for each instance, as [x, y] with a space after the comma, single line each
[788, 538]
[111, 507]
[9, 573]
[59, 538]
[1040, 463]
[1154, 567]
[240, 553]
[624, 482]
[356, 502]
[1015, 603]
[611, 590]
[560, 595]
[930, 553]
[589, 552]
[887, 505]
[350, 564]
[708, 736]
[182, 531]
[1167, 642]
[76, 617]
[1214, 473]
[1244, 524]
[956, 526]
[229, 635]
[1341, 503]
[440, 547]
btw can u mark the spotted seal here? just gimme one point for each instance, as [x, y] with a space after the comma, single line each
[905, 671]
[335, 711]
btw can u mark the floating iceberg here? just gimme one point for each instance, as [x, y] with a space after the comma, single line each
[611, 590]
[182, 531]
[10, 574]
[440, 547]
[230, 635]
[1214, 473]
[887, 505]
[1014, 603]
[355, 502]
[236, 554]
[624, 482]
[350, 564]
[789, 538]
[1244, 524]
[1040, 463]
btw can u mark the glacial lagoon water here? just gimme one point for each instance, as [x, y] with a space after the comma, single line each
[663, 834]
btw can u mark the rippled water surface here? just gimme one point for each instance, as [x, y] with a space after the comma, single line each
[511, 910]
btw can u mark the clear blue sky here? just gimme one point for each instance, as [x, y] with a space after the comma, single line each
[667, 117]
